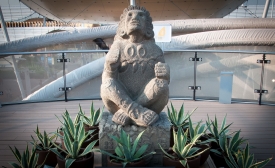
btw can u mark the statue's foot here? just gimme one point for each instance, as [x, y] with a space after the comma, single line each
[121, 118]
[146, 117]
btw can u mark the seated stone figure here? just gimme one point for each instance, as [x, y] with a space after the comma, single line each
[135, 77]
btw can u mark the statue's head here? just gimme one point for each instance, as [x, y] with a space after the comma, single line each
[135, 19]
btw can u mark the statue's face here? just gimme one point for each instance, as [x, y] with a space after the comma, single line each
[135, 21]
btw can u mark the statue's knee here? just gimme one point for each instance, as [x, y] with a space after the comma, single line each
[110, 105]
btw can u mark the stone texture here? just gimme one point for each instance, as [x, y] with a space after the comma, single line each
[135, 77]
[158, 133]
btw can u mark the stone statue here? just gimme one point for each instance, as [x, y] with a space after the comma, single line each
[135, 77]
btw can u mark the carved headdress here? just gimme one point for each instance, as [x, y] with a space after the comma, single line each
[122, 33]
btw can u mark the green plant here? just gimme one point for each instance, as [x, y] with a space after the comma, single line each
[69, 124]
[182, 148]
[178, 119]
[125, 151]
[199, 129]
[243, 159]
[26, 160]
[94, 118]
[45, 140]
[232, 146]
[73, 144]
[215, 131]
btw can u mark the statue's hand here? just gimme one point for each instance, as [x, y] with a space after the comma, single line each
[112, 59]
[162, 71]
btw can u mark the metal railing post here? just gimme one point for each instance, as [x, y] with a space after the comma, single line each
[195, 77]
[64, 77]
[262, 80]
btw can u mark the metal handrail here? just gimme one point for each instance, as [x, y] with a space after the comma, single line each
[5, 54]
[99, 51]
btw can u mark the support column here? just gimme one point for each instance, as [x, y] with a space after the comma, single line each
[267, 2]
[133, 2]
[18, 78]
[44, 21]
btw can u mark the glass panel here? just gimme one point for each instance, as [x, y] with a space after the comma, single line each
[36, 72]
[269, 81]
[181, 74]
[84, 75]
[245, 75]
[8, 83]
[41, 76]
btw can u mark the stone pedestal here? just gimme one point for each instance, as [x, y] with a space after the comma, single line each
[158, 133]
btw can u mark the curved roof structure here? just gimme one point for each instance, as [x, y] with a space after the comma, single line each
[109, 11]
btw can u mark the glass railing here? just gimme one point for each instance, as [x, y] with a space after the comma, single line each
[195, 75]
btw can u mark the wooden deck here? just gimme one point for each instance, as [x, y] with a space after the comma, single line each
[256, 123]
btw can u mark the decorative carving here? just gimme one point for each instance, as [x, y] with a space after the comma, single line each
[135, 77]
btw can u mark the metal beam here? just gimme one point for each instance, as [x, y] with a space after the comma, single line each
[19, 81]
[267, 2]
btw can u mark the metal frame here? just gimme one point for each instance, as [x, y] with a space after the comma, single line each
[195, 87]
[261, 91]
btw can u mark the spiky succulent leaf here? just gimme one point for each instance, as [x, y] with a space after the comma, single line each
[183, 162]
[229, 163]
[15, 165]
[69, 162]
[223, 142]
[16, 153]
[185, 150]
[167, 154]
[180, 117]
[75, 149]
[113, 156]
[136, 142]
[193, 151]
[191, 129]
[143, 156]
[55, 151]
[88, 148]
[119, 152]
[141, 151]
[196, 154]
[261, 164]
[115, 138]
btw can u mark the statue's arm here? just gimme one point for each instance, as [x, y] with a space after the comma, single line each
[162, 69]
[111, 64]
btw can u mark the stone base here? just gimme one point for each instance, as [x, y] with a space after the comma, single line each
[158, 133]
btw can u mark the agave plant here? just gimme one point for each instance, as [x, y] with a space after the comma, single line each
[233, 146]
[178, 119]
[126, 152]
[243, 159]
[199, 129]
[25, 160]
[68, 124]
[45, 140]
[182, 148]
[73, 145]
[94, 118]
[215, 131]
